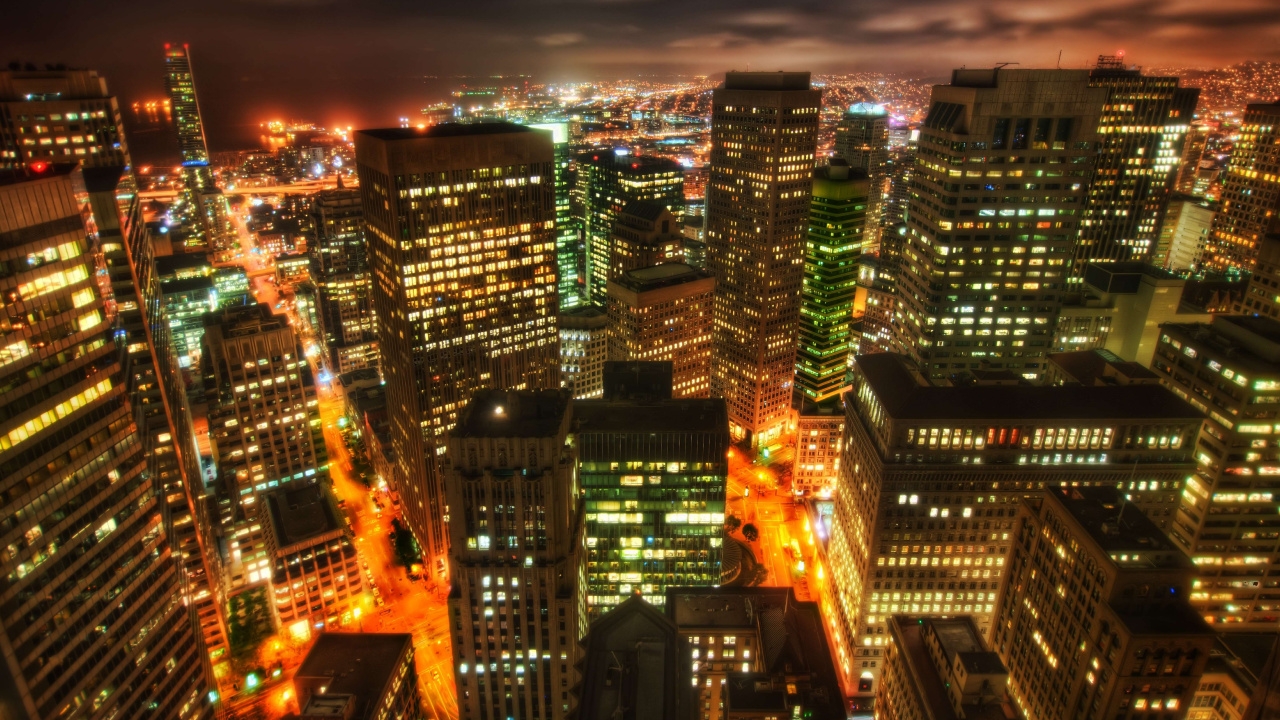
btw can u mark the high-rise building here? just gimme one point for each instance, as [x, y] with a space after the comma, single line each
[516, 554]
[207, 206]
[59, 116]
[937, 669]
[931, 475]
[186, 302]
[1005, 158]
[1262, 295]
[359, 676]
[569, 286]
[340, 269]
[663, 313]
[461, 231]
[1230, 371]
[645, 234]
[1250, 201]
[653, 472]
[584, 347]
[1193, 148]
[264, 427]
[1093, 621]
[756, 652]
[764, 129]
[85, 517]
[637, 642]
[608, 181]
[862, 140]
[1184, 235]
[838, 222]
[1240, 680]
[1140, 142]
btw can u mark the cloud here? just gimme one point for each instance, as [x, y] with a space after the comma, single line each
[710, 41]
[562, 39]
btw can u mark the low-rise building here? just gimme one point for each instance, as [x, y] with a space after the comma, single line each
[293, 268]
[359, 676]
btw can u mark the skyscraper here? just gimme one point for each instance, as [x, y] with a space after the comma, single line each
[931, 475]
[1140, 141]
[608, 182]
[584, 347]
[838, 222]
[1005, 161]
[516, 554]
[1250, 208]
[461, 231]
[59, 116]
[1093, 621]
[764, 129]
[663, 313]
[207, 206]
[653, 472]
[340, 269]
[568, 285]
[84, 515]
[644, 234]
[862, 140]
[1230, 370]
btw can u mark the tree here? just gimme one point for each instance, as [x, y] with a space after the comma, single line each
[733, 522]
[750, 532]
[407, 552]
[756, 575]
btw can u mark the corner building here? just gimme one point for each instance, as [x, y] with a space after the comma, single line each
[764, 132]
[998, 192]
[516, 556]
[931, 477]
[461, 224]
[1093, 622]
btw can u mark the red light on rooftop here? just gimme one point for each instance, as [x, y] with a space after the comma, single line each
[39, 166]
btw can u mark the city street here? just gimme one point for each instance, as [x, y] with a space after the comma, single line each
[752, 497]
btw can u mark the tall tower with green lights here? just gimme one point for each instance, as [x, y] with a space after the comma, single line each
[568, 287]
[837, 229]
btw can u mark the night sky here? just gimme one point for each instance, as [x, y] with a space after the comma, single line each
[363, 62]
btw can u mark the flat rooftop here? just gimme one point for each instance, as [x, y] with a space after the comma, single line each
[1118, 526]
[780, 80]
[683, 415]
[357, 664]
[1251, 341]
[960, 637]
[656, 277]
[300, 514]
[447, 130]
[905, 395]
[513, 413]
[909, 633]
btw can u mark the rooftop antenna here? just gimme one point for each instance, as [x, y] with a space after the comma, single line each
[1059, 59]
[1001, 66]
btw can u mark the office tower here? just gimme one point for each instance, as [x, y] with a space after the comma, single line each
[1262, 295]
[764, 129]
[899, 171]
[340, 269]
[1120, 307]
[862, 141]
[838, 222]
[645, 234]
[607, 183]
[1184, 235]
[1250, 202]
[1095, 367]
[360, 676]
[584, 347]
[186, 302]
[264, 427]
[461, 231]
[635, 658]
[653, 472]
[1193, 148]
[516, 554]
[59, 116]
[1140, 143]
[568, 284]
[292, 269]
[85, 518]
[936, 669]
[664, 313]
[315, 574]
[205, 200]
[819, 428]
[756, 652]
[1229, 370]
[1236, 680]
[931, 476]
[1093, 621]
[1006, 157]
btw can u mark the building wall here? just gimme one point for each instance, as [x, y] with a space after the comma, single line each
[584, 346]
[1250, 198]
[670, 324]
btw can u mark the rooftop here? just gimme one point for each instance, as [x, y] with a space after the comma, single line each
[1101, 367]
[1251, 340]
[906, 395]
[168, 264]
[300, 514]
[1118, 526]
[660, 276]
[958, 636]
[634, 658]
[356, 664]
[627, 161]
[199, 282]
[780, 80]
[909, 634]
[447, 130]
[644, 209]
[13, 177]
[1126, 277]
[513, 413]
[685, 415]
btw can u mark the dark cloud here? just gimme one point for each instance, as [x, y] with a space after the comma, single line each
[368, 61]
